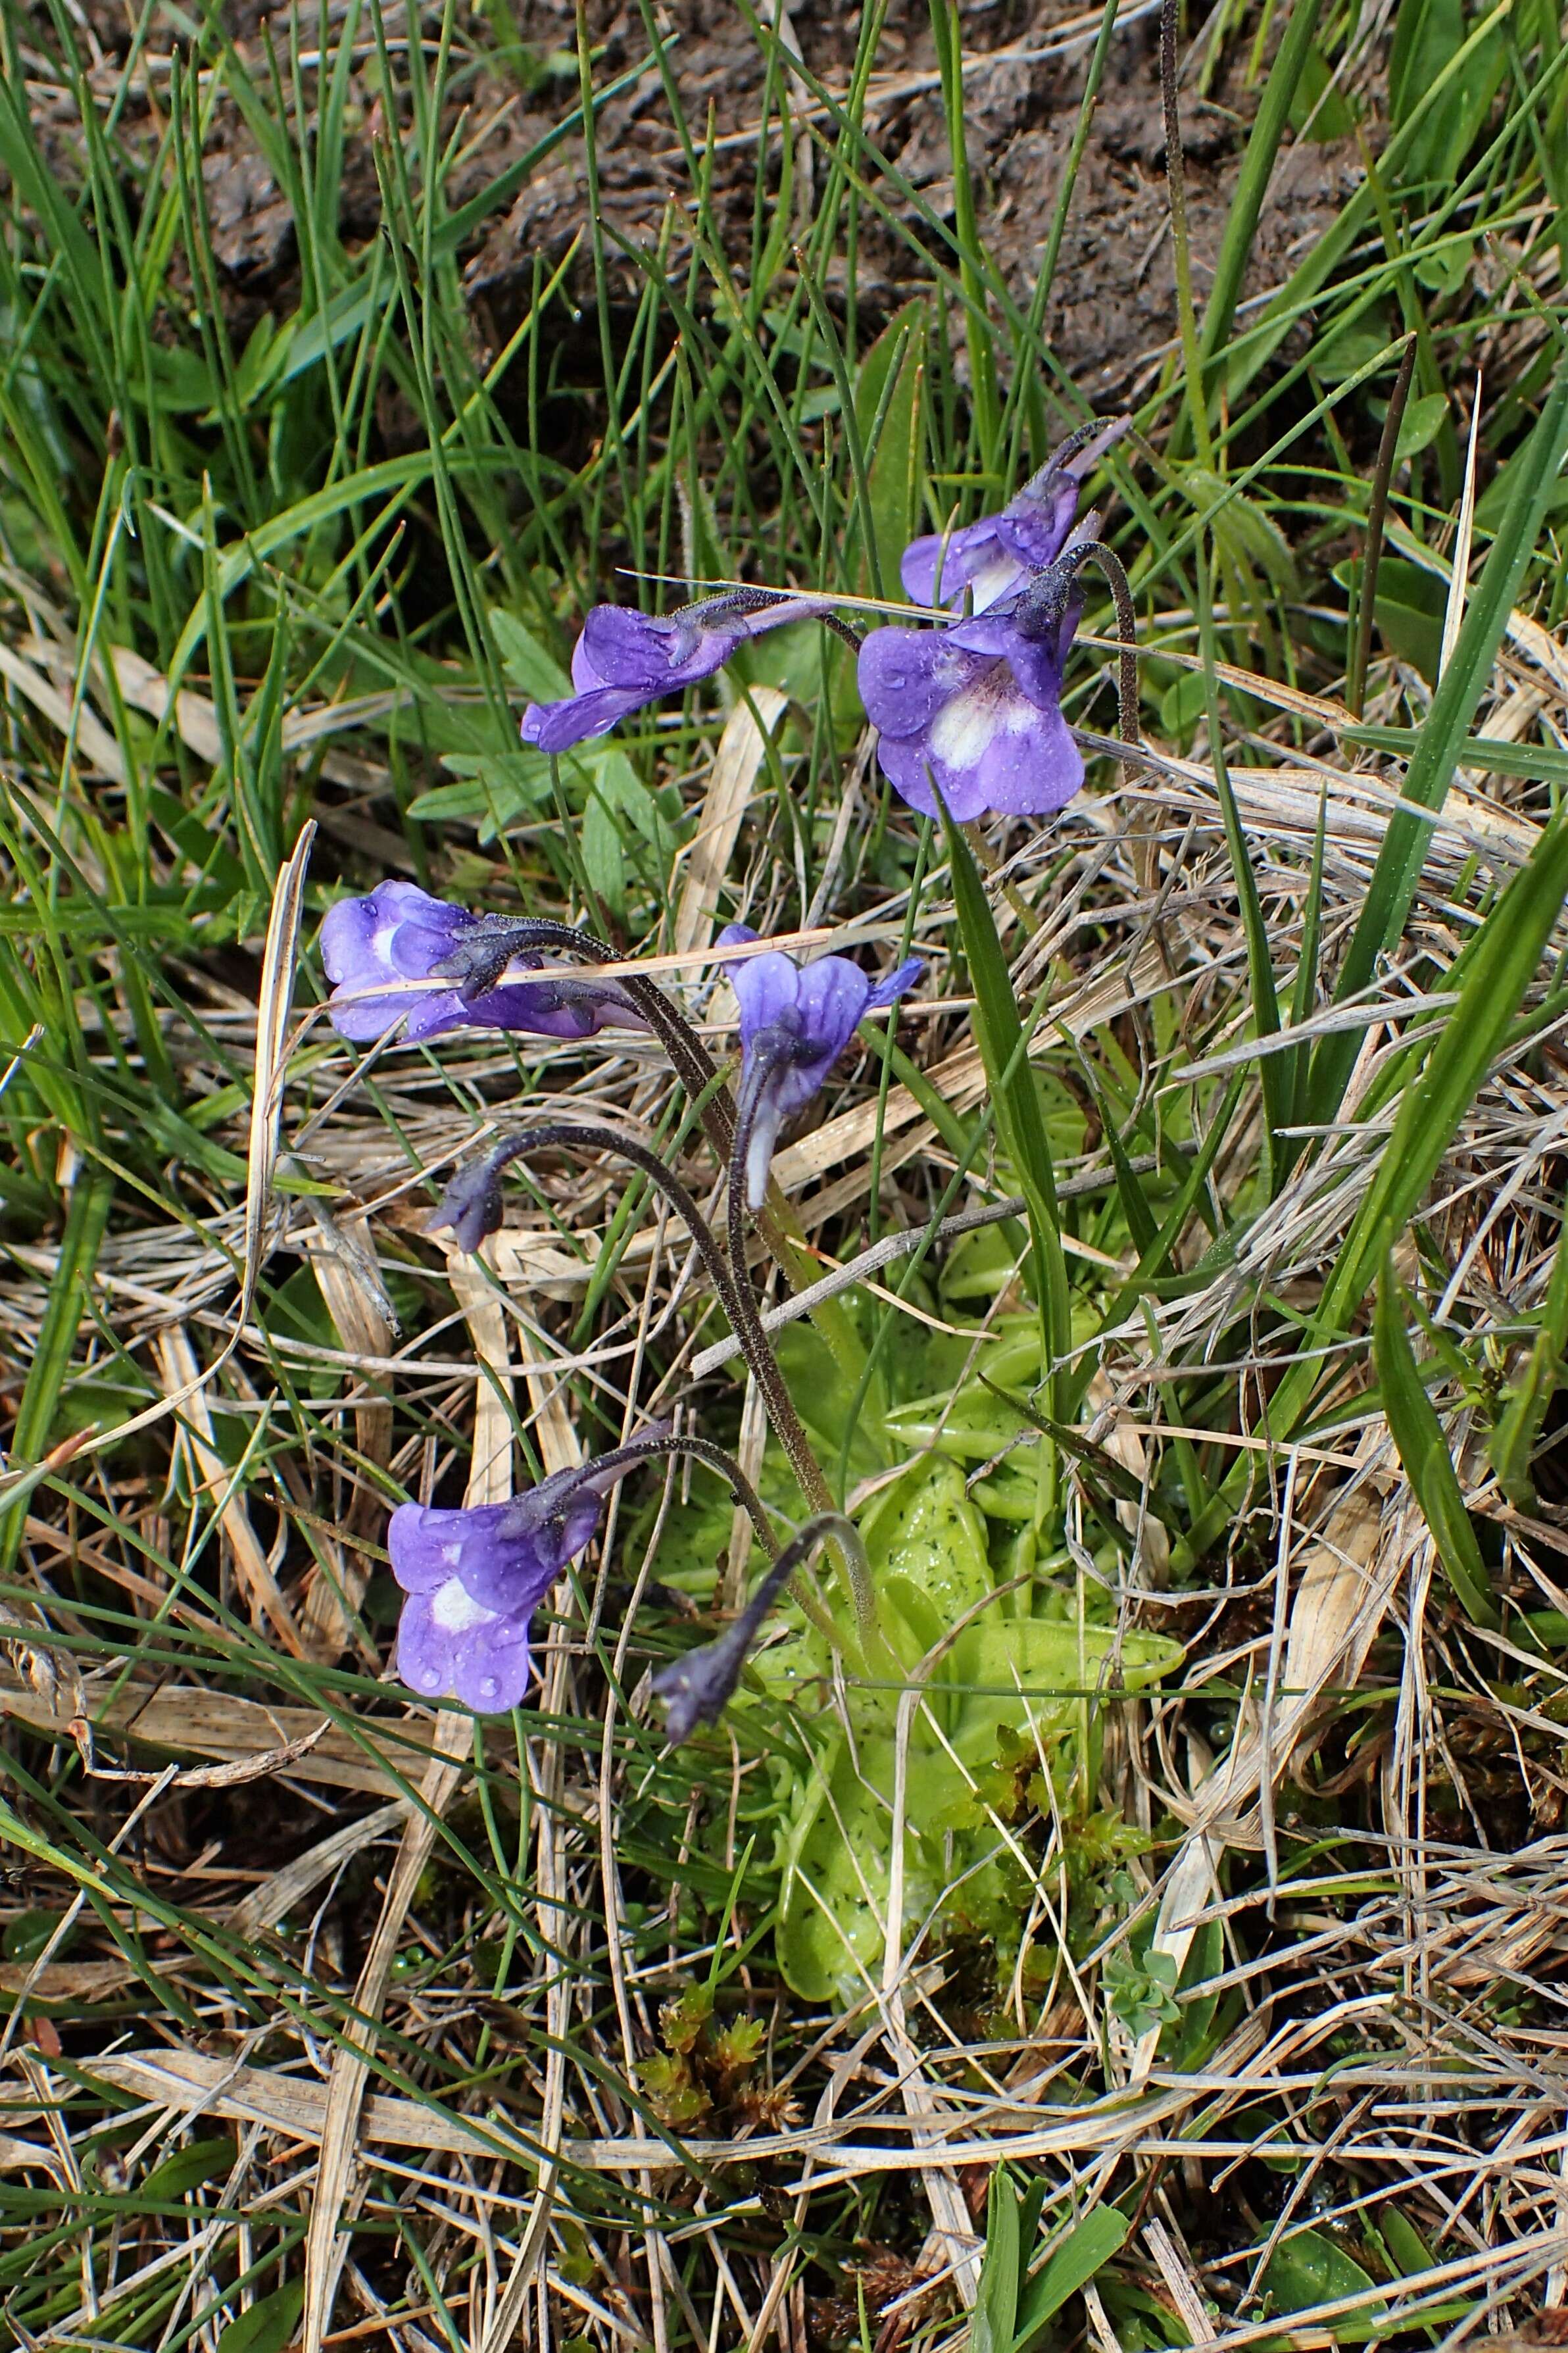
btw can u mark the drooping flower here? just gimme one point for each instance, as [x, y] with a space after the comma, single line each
[624, 658]
[471, 1205]
[993, 557]
[474, 1577]
[697, 1687]
[976, 705]
[796, 1021]
[399, 934]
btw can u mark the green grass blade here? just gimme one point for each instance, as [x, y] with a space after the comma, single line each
[1432, 766]
[1025, 409]
[1503, 961]
[1153, 1258]
[1424, 1450]
[1021, 1123]
[68, 1291]
[1520, 1424]
[997, 2294]
[1304, 995]
[1068, 2268]
[1252, 184]
[1330, 250]
[1274, 1069]
[947, 30]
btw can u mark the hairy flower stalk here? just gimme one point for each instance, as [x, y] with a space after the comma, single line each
[376, 949]
[472, 1207]
[697, 1689]
[474, 963]
[796, 1021]
[474, 967]
[1093, 551]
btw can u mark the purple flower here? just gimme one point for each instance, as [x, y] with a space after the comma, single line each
[796, 1021]
[449, 1646]
[625, 659]
[976, 706]
[400, 934]
[474, 1578]
[998, 554]
[698, 1687]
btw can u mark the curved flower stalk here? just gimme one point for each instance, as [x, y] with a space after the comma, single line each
[796, 1021]
[625, 660]
[696, 1688]
[485, 956]
[983, 562]
[479, 960]
[472, 1207]
[374, 948]
[1094, 551]
[977, 706]
[473, 1578]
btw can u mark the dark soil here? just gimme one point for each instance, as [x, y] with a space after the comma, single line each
[1113, 302]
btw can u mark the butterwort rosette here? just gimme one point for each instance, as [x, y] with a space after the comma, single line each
[987, 561]
[796, 1021]
[474, 1577]
[976, 708]
[399, 935]
[625, 660]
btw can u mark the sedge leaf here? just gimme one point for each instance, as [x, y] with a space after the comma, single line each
[269, 2326]
[85, 1220]
[1523, 1416]
[1423, 1451]
[1003, 1050]
[996, 2295]
[1071, 2265]
[1447, 722]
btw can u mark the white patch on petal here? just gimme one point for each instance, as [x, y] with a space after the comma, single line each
[993, 580]
[455, 1611]
[964, 729]
[759, 1160]
[452, 1554]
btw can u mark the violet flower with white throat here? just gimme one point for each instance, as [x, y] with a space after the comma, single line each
[473, 1579]
[976, 707]
[375, 948]
[988, 560]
